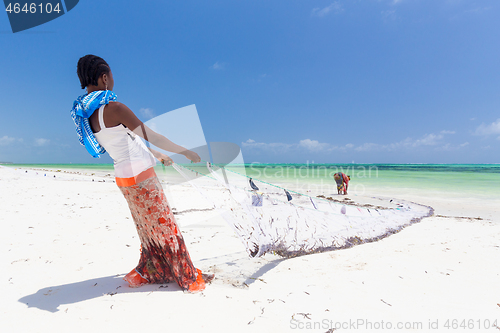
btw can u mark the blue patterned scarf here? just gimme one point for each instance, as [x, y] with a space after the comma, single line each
[83, 108]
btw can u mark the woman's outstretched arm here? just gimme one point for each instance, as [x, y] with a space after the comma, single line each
[118, 113]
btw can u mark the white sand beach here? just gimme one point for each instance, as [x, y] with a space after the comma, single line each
[68, 241]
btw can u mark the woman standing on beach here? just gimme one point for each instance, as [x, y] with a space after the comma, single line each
[102, 124]
[342, 181]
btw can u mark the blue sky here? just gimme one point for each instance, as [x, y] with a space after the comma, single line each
[369, 81]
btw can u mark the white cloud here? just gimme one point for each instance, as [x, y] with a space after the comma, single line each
[369, 147]
[491, 129]
[147, 113]
[218, 66]
[307, 144]
[6, 140]
[335, 7]
[276, 147]
[428, 140]
[450, 147]
[41, 142]
[313, 145]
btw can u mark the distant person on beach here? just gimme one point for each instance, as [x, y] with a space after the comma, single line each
[342, 181]
[103, 124]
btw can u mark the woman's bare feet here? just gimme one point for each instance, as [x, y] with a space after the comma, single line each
[200, 283]
[135, 279]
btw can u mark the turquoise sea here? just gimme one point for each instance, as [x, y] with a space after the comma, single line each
[448, 180]
[457, 180]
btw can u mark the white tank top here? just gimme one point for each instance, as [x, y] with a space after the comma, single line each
[129, 153]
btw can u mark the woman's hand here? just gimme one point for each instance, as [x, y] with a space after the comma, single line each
[164, 159]
[191, 155]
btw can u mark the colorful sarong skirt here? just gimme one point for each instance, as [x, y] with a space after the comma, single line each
[164, 256]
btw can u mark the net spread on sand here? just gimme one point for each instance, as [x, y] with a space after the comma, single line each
[266, 221]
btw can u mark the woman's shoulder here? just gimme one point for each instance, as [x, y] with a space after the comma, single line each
[116, 106]
[117, 109]
[119, 113]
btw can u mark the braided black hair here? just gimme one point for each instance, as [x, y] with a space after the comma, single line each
[90, 68]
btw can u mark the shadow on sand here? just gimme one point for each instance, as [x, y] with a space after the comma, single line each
[240, 270]
[230, 272]
[51, 298]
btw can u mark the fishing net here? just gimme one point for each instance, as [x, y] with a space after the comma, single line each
[269, 218]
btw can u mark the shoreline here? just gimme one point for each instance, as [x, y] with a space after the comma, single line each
[445, 202]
